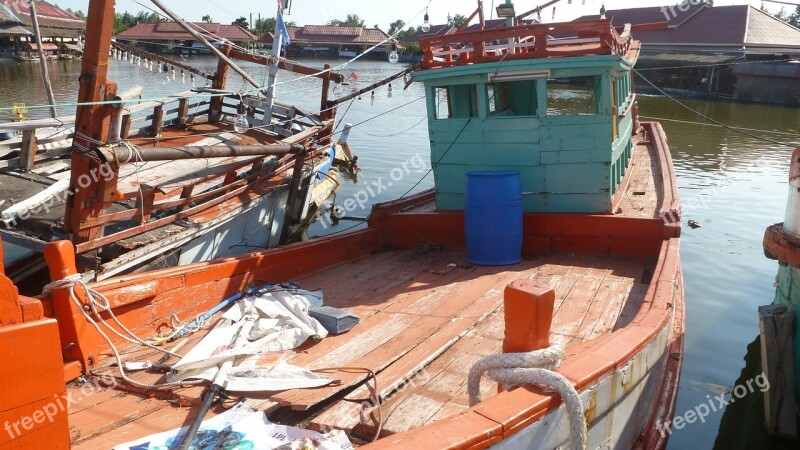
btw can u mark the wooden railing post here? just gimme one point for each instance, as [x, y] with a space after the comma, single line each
[158, 121]
[183, 112]
[27, 156]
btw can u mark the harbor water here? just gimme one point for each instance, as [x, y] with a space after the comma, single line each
[732, 185]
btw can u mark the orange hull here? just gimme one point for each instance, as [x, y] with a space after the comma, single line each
[635, 353]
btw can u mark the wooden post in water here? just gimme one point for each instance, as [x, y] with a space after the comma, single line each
[780, 338]
[777, 363]
[45, 73]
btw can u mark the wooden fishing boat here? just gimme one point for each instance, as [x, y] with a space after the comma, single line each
[223, 190]
[599, 273]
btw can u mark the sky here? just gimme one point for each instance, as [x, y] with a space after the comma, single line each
[380, 12]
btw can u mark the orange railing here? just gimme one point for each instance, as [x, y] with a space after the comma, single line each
[589, 37]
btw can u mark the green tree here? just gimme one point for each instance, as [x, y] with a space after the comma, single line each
[123, 21]
[457, 20]
[352, 21]
[242, 22]
[396, 26]
[207, 19]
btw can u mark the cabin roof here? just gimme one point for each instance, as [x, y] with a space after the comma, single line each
[172, 31]
[705, 28]
[53, 21]
[331, 34]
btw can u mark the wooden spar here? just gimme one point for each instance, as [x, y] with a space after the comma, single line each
[356, 94]
[327, 112]
[294, 193]
[205, 43]
[92, 124]
[124, 155]
[524, 15]
[287, 65]
[48, 87]
[478, 12]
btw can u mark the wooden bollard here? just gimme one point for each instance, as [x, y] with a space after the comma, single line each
[79, 339]
[528, 316]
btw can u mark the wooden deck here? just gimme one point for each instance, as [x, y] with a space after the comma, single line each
[425, 314]
[642, 196]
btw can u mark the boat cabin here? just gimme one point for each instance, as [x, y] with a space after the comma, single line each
[492, 113]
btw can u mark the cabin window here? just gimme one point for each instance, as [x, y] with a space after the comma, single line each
[573, 96]
[456, 101]
[513, 98]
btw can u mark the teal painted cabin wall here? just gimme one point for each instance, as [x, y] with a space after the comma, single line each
[787, 293]
[568, 163]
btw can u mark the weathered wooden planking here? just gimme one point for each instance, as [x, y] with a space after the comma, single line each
[345, 414]
[410, 317]
[777, 359]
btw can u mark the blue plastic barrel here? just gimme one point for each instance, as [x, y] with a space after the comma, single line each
[493, 210]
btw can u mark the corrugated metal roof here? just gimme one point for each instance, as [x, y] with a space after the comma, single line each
[8, 17]
[171, 31]
[13, 30]
[51, 17]
[709, 28]
[766, 30]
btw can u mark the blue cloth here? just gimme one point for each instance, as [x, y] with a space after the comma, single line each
[281, 28]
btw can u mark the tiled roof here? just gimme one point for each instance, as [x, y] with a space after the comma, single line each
[51, 18]
[327, 34]
[171, 31]
[330, 30]
[266, 38]
[711, 28]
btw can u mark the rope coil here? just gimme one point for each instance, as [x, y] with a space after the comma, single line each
[97, 303]
[533, 368]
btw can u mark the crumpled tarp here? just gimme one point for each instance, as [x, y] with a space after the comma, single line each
[242, 428]
[282, 323]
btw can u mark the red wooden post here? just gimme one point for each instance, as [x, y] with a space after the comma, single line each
[528, 316]
[79, 340]
[220, 81]
[92, 122]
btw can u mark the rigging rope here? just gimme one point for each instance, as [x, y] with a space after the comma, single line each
[98, 303]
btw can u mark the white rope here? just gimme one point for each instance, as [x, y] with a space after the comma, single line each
[533, 368]
[97, 302]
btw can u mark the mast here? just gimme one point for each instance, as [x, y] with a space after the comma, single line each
[277, 44]
[92, 125]
[48, 88]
